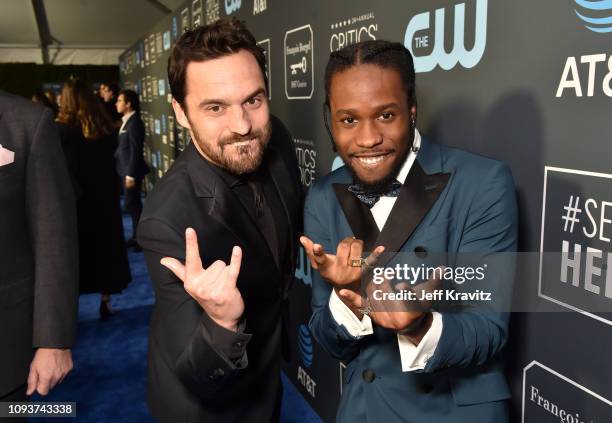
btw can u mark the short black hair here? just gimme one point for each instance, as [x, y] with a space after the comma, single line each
[131, 97]
[112, 87]
[221, 38]
[381, 53]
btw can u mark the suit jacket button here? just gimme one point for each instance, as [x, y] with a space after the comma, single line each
[420, 252]
[368, 375]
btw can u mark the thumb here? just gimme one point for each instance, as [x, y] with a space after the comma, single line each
[175, 266]
[351, 297]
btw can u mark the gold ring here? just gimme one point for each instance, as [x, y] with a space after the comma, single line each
[356, 262]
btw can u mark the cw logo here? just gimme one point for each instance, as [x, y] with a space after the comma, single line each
[232, 5]
[459, 54]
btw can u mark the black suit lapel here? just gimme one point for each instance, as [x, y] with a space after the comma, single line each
[358, 215]
[226, 208]
[419, 193]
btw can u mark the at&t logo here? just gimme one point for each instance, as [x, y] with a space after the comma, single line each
[596, 14]
[306, 353]
[439, 55]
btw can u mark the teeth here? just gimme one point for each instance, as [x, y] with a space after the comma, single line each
[242, 143]
[369, 161]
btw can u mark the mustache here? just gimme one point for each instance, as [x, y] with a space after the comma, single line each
[257, 134]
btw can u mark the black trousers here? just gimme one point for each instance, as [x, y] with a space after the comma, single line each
[133, 204]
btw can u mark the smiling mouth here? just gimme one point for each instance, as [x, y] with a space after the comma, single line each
[243, 143]
[371, 161]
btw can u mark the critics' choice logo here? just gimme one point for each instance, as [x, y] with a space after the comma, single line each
[352, 30]
[265, 45]
[299, 62]
[419, 37]
[232, 6]
[549, 396]
[576, 258]
[305, 349]
[595, 14]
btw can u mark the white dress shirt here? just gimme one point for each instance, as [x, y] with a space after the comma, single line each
[413, 357]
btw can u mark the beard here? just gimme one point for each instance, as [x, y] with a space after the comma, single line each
[237, 159]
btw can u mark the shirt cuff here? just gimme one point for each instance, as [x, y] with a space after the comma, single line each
[345, 317]
[415, 357]
[232, 345]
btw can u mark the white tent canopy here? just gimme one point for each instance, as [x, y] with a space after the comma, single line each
[75, 32]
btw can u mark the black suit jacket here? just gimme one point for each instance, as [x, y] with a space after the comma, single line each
[190, 376]
[38, 251]
[129, 154]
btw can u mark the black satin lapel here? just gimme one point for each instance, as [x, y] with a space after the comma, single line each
[228, 210]
[419, 193]
[358, 215]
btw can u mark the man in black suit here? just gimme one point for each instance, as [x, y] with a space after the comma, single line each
[218, 329]
[38, 252]
[108, 95]
[131, 165]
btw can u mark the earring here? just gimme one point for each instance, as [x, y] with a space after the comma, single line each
[414, 148]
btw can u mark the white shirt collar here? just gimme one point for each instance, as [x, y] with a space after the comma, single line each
[126, 116]
[416, 145]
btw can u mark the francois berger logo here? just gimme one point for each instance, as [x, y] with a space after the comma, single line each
[596, 14]
[305, 350]
[439, 56]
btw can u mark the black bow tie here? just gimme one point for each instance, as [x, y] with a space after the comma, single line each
[370, 198]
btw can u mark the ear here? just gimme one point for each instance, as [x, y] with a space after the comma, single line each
[413, 112]
[181, 117]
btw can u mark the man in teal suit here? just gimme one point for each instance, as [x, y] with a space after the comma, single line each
[398, 192]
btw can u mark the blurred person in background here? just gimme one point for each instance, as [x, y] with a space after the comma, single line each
[108, 93]
[88, 138]
[42, 98]
[131, 166]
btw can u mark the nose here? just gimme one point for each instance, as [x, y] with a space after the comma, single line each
[240, 121]
[369, 136]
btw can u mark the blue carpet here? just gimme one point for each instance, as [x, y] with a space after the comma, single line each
[108, 382]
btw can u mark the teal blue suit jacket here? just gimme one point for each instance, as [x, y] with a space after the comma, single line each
[452, 201]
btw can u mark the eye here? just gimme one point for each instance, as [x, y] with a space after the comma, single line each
[253, 101]
[386, 116]
[215, 108]
[349, 120]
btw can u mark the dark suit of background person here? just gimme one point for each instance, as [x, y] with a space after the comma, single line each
[130, 162]
[197, 369]
[451, 201]
[38, 243]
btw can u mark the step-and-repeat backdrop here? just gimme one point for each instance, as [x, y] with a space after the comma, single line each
[526, 82]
